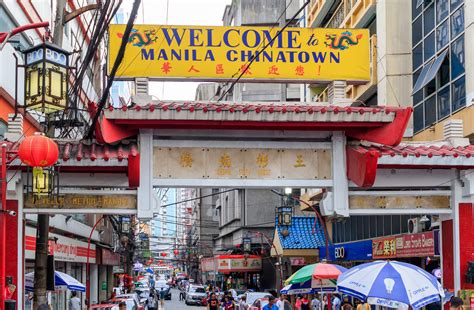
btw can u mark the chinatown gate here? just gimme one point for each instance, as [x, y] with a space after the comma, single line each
[354, 153]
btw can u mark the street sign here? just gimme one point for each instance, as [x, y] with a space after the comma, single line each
[197, 53]
[79, 201]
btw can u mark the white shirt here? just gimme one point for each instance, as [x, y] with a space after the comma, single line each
[280, 304]
[75, 303]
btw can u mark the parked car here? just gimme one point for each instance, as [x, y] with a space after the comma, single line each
[130, 303]
[135, 297]
[161, 285]
[195, 295]
[106, 306]
[259, 304]
[253, 296]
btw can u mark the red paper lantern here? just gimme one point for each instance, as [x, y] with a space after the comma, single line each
[163, 254]
[176, 252]
[38, 151]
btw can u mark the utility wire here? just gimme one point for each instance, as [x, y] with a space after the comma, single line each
[248, 64]
[118, 61]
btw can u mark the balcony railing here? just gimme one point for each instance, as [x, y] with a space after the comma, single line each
[348, 14]
[355, 91]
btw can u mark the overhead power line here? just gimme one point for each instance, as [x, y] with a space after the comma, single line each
[117, 62]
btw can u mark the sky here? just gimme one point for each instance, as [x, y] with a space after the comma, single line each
[180, 12]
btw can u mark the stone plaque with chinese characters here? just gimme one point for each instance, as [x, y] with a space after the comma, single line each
[236, 163]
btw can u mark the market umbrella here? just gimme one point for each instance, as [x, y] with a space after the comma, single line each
[61, 281]
[310, 287]
[391, 284]
[316, 271]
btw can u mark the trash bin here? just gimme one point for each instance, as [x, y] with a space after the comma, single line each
[10, 304]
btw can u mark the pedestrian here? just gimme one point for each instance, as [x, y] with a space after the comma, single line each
[74, 302]
[181, 294]
[281, 302]
[162, 297]
[271, 304]
[456, 303]
[298, 303]
[316, 303]
[228, 303]
[213, 303]
[152, 302]
[324, 304]
[243, 303]
[336, 303]
[305, 303]
[346, 305]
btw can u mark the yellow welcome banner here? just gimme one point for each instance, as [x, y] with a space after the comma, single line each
[221, 53]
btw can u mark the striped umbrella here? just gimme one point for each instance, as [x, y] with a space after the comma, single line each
[318, 271]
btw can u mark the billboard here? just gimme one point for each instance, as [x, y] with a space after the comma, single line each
[205, 53]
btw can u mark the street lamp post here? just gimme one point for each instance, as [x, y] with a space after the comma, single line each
[88, 276]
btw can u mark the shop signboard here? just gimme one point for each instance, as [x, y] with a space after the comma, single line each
[351, 251]
[110, 258]
[80, 201]
[64, 249]
[238, 263]
[406, 245]
[205, 53]
[297, 261]
[208, 264]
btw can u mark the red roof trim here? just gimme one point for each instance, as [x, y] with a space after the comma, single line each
[362, 166]
[388, 134]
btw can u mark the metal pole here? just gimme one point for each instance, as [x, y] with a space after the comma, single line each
[88, 276]
[3, 222]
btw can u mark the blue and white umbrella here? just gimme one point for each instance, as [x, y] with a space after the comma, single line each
[61, 281]
[391, 284]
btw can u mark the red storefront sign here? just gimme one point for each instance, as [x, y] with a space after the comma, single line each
[110, 258]
[408, 245]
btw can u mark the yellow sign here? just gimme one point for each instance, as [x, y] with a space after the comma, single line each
[222, 53]
[73, 201]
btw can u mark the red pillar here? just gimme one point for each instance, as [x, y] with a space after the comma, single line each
[11, 266]
[466, 239]
[466, 253]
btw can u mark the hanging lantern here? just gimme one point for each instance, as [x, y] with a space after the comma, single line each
[46, 78]
[38, 151]
[176, 252]
[247, 242]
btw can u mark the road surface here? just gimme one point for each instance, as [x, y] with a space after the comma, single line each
[175, 304]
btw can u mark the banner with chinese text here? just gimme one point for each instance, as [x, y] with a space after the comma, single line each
[220, 53]
[407, 245]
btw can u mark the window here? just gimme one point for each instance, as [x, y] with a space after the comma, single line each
[3, 129]
[438, 60]
[7, 23]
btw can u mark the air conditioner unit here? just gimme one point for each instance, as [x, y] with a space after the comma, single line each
[414, 226]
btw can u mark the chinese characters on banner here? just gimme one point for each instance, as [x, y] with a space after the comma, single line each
[215, 53]
[228, 163]
[408, 245]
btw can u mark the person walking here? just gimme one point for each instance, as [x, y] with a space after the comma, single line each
[316, 303]
[74, 302]
[243, 303]
[162, 297]
[305, 303]
[336, 303]
[228, 303]
[346, 305]
[213, 303]
[271, 304]
[152, 302]
[281, 302]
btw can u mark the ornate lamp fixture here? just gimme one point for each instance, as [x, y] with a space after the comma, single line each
[40, 153]
[46, 78]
